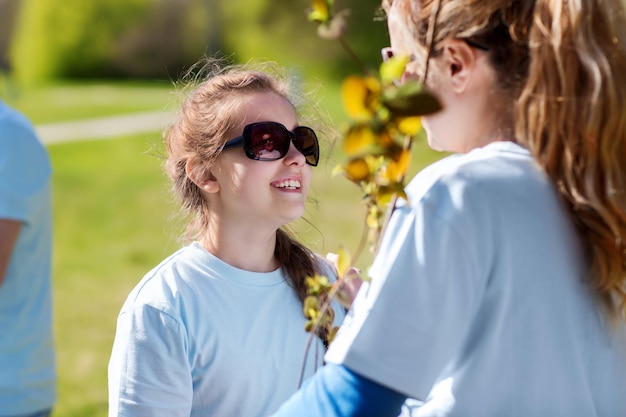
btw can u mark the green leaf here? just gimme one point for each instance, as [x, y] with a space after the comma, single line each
[393, 69]
[310, 307]
[410, 99]
[320, 11]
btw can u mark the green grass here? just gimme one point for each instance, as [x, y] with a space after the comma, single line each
[71, 101]
[112, 223]
[114, 220]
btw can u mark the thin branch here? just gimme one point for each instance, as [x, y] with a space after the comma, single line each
[352, 55]
[316, 325]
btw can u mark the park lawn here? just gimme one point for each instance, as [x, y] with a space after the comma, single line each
[112, 222]
[62, 101]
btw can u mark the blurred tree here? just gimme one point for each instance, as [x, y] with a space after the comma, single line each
[8, 11]
[158, 38]
[279, 30]
[172, 35]
[107, 38]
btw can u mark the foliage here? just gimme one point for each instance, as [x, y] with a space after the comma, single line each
[105, 38]
[384, 121]
[277, 30]
[159, 38]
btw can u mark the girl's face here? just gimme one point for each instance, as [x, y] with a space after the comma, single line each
[448, 129]
[403, 43]
[261, 193]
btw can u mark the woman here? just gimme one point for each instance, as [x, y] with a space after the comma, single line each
[499, 287]
[217, 329]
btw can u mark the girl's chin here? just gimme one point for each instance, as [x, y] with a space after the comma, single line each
[293, 214]
[433, 144]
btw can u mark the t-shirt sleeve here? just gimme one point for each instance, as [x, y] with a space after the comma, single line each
[411, 319]
[149, 371]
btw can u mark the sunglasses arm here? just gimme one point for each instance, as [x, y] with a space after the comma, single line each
[233, 143]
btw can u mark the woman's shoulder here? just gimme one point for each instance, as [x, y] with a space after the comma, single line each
[491, 169]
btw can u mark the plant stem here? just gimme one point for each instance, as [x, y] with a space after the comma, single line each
[316, 325]
[352, 55]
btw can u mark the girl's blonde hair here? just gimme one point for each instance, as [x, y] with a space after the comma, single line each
[214, 95]
[564, 65]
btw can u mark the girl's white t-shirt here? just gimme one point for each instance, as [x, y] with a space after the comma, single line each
[199, 337]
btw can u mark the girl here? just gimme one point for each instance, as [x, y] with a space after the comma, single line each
[217, 329]
[500, 285]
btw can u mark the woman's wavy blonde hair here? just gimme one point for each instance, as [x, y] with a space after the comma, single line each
[564, 64]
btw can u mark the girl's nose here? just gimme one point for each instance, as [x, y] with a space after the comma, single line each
[294, 156]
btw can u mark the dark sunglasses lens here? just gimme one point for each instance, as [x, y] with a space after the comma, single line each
[268, 141]
[306, 142]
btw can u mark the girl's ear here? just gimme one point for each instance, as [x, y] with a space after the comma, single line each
[460, 61]
[201, 175]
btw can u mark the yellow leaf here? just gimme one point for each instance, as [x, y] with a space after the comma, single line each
[374, 162]
[324, 283]
[358, 139]
[308, 326]
[344, 262]
[410, 125]
[393, 69]
[370, 188]
[320, 11]
[354, 93]
[357, 170]
[395, 170]
[385, 195]
[310, 307]
[373, 217]
[332, 334]
[361, 96]
[338, 169]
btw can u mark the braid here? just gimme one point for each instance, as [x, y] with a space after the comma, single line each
[298, 263]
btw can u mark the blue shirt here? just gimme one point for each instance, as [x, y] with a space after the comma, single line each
[27, 361]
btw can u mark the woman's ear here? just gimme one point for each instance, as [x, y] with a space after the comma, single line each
[201, 175]
[460, 62]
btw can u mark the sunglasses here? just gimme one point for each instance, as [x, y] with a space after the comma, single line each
[269, 141]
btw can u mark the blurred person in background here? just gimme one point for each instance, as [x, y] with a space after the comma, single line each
[27, 354]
